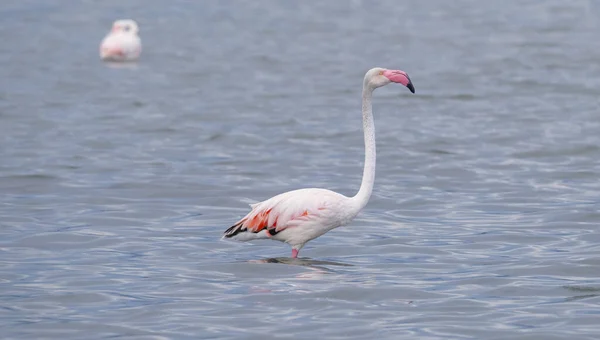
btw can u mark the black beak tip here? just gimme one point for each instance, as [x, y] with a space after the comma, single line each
[411, 87]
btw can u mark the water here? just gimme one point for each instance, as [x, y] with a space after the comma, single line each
[117, 182]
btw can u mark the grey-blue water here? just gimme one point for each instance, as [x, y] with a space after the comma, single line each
[116, 183]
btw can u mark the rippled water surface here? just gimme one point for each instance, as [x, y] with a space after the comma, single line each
[116, 182]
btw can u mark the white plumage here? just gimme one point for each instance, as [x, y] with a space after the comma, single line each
[298, 216]
[122, 43]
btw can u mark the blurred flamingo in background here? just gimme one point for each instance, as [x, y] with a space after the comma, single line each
[298, 216]
[122, 43]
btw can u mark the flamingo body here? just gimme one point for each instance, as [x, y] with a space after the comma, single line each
[122, 43]
[294, 217]
[298, 216]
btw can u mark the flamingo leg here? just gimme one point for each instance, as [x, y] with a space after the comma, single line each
[295, 253]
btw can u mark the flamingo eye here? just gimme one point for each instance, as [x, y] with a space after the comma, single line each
[126, 28]
[380, 73]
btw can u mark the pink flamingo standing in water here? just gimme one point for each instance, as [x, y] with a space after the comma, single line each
[122, 43]
[298, 216]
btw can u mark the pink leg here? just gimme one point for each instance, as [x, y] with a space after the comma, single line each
[294, 253]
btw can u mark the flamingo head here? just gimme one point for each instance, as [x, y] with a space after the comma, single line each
[126, 26]
[378, 77]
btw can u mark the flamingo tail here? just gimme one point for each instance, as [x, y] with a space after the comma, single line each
[234, 230]
[240, 233]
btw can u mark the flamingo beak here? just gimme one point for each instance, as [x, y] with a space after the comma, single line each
[401, 77]
[410, 86]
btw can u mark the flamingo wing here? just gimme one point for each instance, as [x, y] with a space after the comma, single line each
[287, 210]
[120, 46]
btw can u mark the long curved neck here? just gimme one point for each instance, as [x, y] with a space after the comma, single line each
[366, 186]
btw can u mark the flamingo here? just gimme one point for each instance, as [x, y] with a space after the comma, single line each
[122, 43]
[298, 216]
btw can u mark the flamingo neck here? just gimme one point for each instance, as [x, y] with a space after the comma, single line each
[366, 186]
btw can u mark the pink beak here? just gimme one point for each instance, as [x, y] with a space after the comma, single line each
[401, 77]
